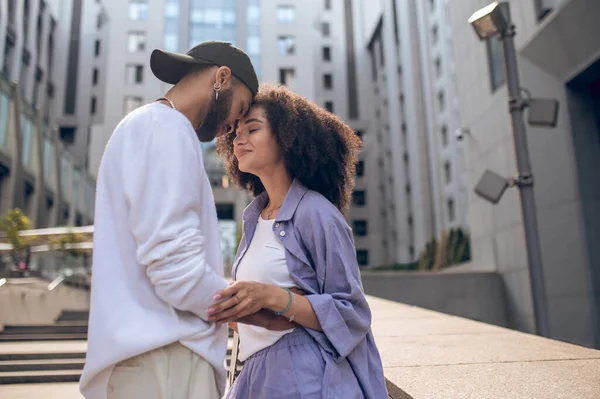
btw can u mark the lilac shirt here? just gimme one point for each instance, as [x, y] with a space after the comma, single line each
[321, 258]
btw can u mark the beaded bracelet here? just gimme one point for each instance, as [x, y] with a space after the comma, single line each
[289, 305]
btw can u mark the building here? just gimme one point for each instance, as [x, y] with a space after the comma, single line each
[38, 172]
[442, 115]
[408, 96]
[82, 33]
[558, 54]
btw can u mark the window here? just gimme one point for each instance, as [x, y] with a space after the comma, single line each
[286, 14]
[451, 211]
[432, 4]
[225, 211]
[11, 11]
[138, 10]
[287, 45]
[328, 81]
[373, 66]
[136, 42]
[97, 48]
[438, 67]
[48, 157]
[4, 106]
[448, 172]
[131, 103]
[134, 74]
[441, 101]
[434, 34]
[362, 257]
[67, 134]
[9, 51]
[325, 30]
[93, 106]
[172, 9]
[495, 56]
[329, 106]
[360, 228]
[288, 77]
[26, 137]
[26, 22]
[359, 198]
[326, 53]
[445, 135]
[38, 34]
[95, 77]
[543, 8]
[328, 4]
[360, 169]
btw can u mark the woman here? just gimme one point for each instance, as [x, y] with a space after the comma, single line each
[298, 160]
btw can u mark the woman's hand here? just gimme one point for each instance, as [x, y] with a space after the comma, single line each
[245, 298]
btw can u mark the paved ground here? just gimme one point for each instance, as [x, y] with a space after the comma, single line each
[433, 355]
[40, 391]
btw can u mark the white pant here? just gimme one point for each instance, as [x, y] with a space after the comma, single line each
[171, 372]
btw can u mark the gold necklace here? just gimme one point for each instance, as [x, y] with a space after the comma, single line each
[268, 215]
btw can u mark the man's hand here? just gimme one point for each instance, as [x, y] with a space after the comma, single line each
[266, 319]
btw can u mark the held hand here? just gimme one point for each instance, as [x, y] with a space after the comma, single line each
[245, 298]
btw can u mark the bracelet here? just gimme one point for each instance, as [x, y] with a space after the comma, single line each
[289, 305]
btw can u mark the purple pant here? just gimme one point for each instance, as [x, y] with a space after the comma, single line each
[295, 368]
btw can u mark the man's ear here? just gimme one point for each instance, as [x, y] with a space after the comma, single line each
[224, 77]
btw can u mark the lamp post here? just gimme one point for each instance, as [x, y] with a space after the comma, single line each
[495, 20]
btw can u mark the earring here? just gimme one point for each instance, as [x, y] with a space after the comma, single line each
[217, 88]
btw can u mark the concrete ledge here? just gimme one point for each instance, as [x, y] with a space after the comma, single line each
[427, 354]
[28, 301]
[477, 295]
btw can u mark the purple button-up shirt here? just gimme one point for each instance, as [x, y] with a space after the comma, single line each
[321, 258]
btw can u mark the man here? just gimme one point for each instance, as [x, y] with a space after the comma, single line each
[157, 255]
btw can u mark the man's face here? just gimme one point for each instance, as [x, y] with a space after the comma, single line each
[224, 112]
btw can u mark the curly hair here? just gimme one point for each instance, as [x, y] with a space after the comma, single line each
[319, 149]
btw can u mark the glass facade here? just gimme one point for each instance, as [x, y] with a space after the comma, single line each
[76, 179]
[172, 25]
[212, 20]
[253, 35]
[65, 171]
[48, 155]
[26, 137]
[4, 106]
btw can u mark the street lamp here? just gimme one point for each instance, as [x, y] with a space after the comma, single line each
[495, 20]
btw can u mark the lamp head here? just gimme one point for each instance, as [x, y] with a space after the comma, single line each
[491, 20]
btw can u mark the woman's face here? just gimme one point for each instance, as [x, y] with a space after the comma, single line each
[255, 145]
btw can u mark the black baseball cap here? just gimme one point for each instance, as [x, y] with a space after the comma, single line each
[171, 67]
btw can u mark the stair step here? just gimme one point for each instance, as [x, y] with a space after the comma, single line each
[74, 315]
[42, 337]
[45, 329]
[41, 365]
[19, 357]
[29, 377]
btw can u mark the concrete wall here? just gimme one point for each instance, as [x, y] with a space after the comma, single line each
[474, 295]
[551, 53]
[30, 302]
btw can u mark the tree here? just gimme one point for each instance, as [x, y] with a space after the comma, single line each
[12, 223]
